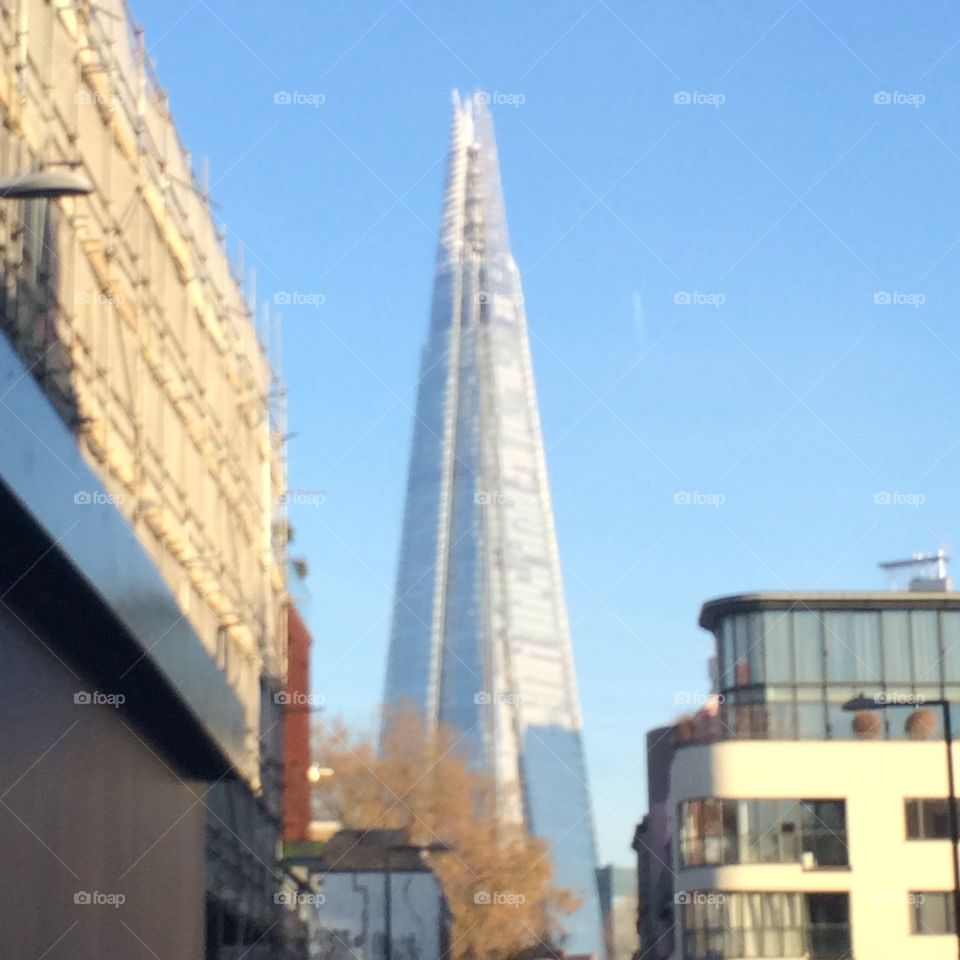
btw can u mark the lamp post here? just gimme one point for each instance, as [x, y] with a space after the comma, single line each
[863, 702]
[44, 185]
[437, 847]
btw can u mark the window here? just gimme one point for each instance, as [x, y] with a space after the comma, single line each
[927, 819]
[778, 650]
[720, 924]
[823, 833]
[811, 832]
[896, 646]
[853, 647]
[926, 646]
[932, 913]
[808, 646]
[828, 925]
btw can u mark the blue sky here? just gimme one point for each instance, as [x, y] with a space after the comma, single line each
[814, 231]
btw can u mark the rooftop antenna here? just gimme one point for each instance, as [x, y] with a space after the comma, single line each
[929, 572]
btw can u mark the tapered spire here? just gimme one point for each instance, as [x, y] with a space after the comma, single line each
[480, 638]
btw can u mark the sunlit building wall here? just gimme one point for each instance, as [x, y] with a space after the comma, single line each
[124, 308]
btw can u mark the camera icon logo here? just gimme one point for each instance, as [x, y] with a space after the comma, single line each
[82, 897]
[882, 98]
[682, 897]
[282, 297]
[681, 97]
[282, 97]
[283, 898]
[82, 498]
[81, 696]
[282, 698]
[482, 697]
[481, 897]
[681, 298]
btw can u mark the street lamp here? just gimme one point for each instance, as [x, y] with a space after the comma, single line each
[44, 185]
[863, 702]
[436, 847]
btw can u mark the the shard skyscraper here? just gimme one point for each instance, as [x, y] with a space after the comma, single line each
[480, 639]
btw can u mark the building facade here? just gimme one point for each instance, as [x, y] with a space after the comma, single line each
[143, 458]
[480, 639]
[796, 824]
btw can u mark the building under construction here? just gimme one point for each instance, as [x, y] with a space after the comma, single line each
[142, 588]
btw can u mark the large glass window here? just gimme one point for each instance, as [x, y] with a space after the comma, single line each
[927, 819]
[932, 913]
[853, 647]
[808, 646]
[950, 628]
[720, 924]
[926, 647]
[823, 833]
[896, 647]
[778, 649]
[812, 832]
[828, 925]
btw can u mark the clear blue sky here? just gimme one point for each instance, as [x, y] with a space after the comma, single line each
[797, 200]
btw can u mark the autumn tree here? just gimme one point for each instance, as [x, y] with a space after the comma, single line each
[497, 878]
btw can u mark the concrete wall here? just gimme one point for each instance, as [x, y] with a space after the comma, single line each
[88, 808]
[874, 778]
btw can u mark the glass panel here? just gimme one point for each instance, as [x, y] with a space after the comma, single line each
[926, 646]
[933, 913]
[811, 721]
[950, 630]
[824, 834]
[841, 722]
[808, 646]
[778, 648]
[828, 925]
[896, 647]
[726, 654]
[853, 647]
[912, 813]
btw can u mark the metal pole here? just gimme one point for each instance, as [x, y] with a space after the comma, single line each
[387, 927]
[952, 812]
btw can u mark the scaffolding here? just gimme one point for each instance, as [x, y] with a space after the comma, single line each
[126, 309]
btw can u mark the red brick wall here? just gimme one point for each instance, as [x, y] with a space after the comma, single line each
[296, 731]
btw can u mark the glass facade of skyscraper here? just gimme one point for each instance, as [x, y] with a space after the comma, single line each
[480, 639]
